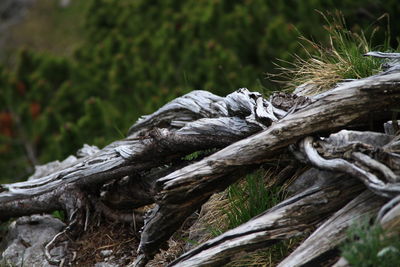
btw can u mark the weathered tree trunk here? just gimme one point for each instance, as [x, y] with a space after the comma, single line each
[329, 111]
[290, 218]
[140, 152]
[195, 122]
[149, 167]
[333, 231]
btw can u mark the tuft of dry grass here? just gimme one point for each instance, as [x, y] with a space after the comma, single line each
[211, 221]
[342, 59]
[164, 257]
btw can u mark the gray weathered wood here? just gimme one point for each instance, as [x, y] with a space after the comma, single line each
[288, 219]
[150, 158]
[196, 121]
[369, 160]
[328, 111]
[142, 152]
[333, 231]
[383, 54]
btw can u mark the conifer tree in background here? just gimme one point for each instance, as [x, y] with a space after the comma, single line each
[137, 55]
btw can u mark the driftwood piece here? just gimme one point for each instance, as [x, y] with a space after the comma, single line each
[149, 162]
[327, 112]
[371, 157]
[392, 63]
[391, 219]
[143, 152]
[364, 155]
[196, 105]
[333, 231]
[290, 218]
[196, 121]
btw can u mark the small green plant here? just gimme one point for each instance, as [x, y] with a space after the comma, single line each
[241, 202]
[250, 198]
[192, 156]
[199, 154]
[59, 214]
[370, 245]
[342, 59]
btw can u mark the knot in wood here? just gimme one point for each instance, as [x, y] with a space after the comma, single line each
[286, 101]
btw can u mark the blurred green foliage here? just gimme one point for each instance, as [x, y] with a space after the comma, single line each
[137, 55]
[370, 245]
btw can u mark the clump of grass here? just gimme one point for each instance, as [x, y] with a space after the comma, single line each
[250, 198]
[342, 59]
[238, 204]
[371, 246]
[59, 214]
[212, 221]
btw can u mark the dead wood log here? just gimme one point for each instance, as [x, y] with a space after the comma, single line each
[372, 158]
[196, 121]
[392, 60]
[200, 121]
[333, 231]
[365, 155]
[141, 152]
[288, 219]
[216, 251]
[328, 111]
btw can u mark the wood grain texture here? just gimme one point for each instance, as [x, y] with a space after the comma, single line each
[326, 112]
[245, 129]
[288, 219]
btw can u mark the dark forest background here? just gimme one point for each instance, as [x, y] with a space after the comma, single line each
[85, 71]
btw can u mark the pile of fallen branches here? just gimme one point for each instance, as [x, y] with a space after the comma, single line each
[233, 135]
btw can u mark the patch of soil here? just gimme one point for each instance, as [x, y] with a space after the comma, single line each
[106, 241]
[117, 243]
